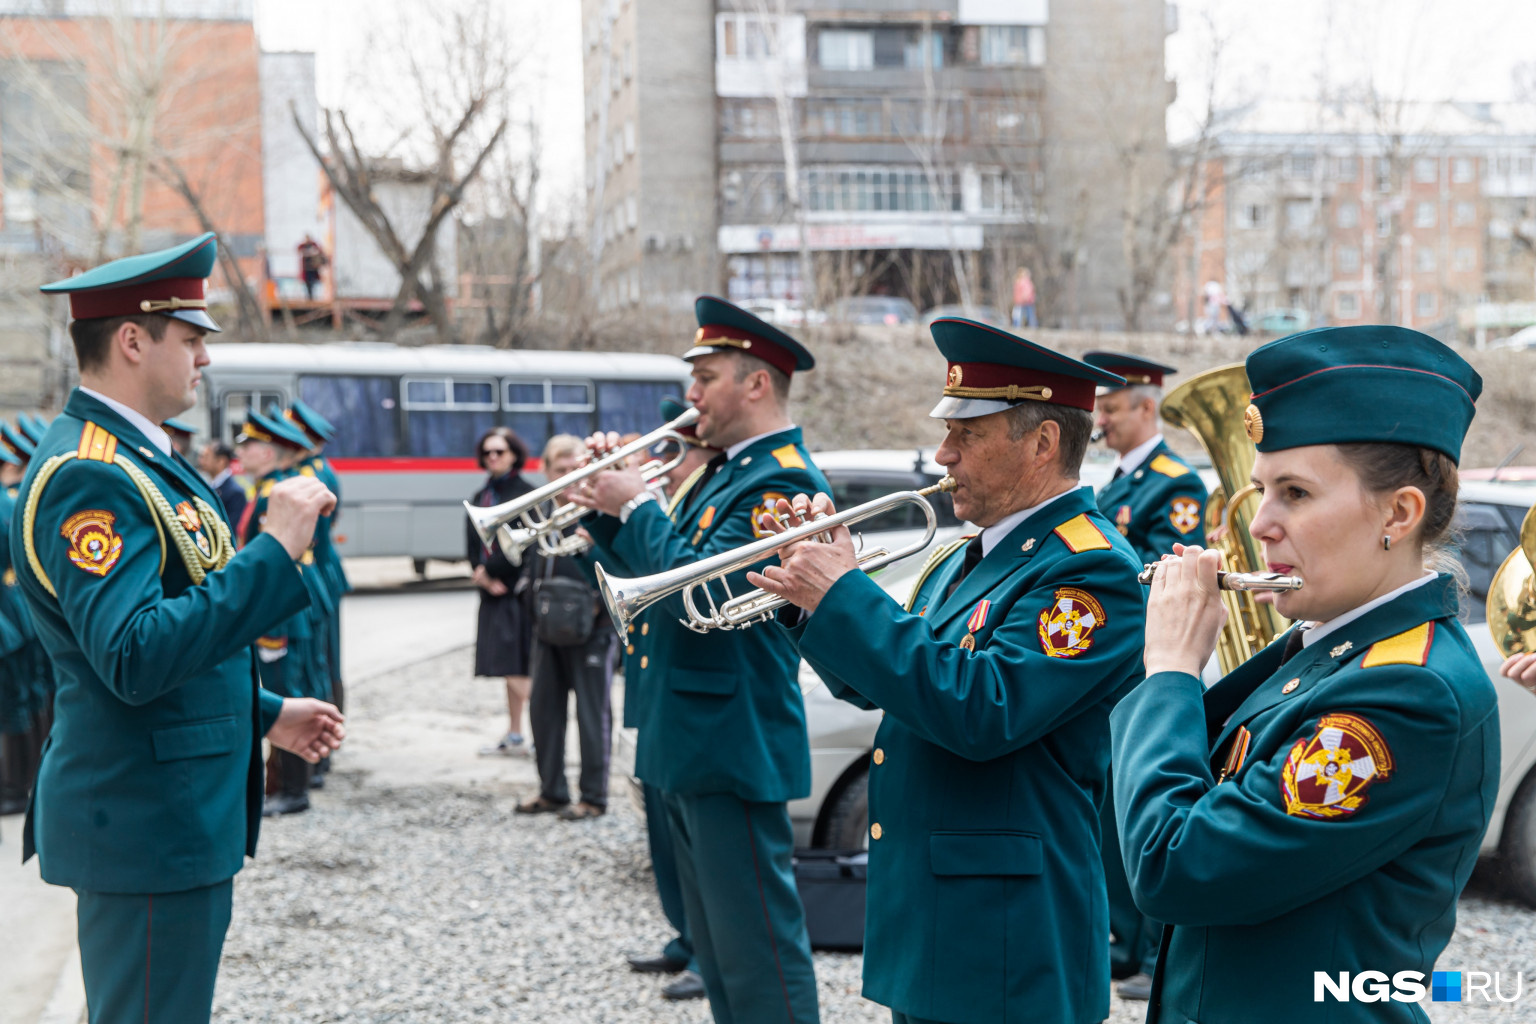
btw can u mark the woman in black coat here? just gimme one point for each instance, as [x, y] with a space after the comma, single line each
[503, 641]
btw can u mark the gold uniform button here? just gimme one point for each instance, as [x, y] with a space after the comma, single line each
[631, 629]
[879, 756]
[875, 831]
[645, 627]
[629, 649]
[1288, 687]
[644, 660]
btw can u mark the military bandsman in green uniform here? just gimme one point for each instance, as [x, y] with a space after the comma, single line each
[149, 795]
[722, 729]
[26, 677]
[986, 896]
[1320, 808]
[1155, 500]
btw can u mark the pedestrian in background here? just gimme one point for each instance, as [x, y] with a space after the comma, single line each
[215, 460]
[573, 653]
[1024, 300]
[502, 640]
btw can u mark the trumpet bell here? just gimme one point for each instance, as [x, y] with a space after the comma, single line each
[1512, 596]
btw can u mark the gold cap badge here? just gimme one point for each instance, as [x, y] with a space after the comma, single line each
[956, 375]
[1253, 422]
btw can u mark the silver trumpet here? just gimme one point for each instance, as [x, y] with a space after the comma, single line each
[1237, 580]
[527, 511]
[627, 598]
[550, 538]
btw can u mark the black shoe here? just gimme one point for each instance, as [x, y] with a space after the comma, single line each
[656, 964]
[284, 803]
[687, 986]
[1138, 986]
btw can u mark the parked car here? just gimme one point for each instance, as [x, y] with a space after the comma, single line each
[985, 316]
[873, 309]
[1523, 339]
[783, 314]
[1281, 321]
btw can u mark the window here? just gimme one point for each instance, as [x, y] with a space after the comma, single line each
[1298, 213]
[539, 409]
[1300, 166]
[1346, 259]
[881, 189]
[363, 410]
[1424, 259]
[1383, 222]
[746, 36]
[856, 488]
[1464, 214]
[845, 50]
[1003, 119]
[239, 404]
[632, 212]
[1346, 168]
[1426, 303]
[630, 406]
[1464, 258]
[1383, 174]
[1252, 215]
[1461, 170]
[846, 118]
[1346, 305]
[749, 119]
[444, 415]
[998, 195]
[1424, 214]
[1523, 166]
[1012, 46]
[1426, 170]
[1348, 215]
[1483, 540]
[629, 137]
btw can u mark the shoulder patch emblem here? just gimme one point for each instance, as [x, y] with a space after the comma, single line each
[93, 545]
[789, 457]
[1168, 466]
[1184, 514]
[1325, 777]
[1408, 648]
[1066, 627]
[770, 502]
[96, 444]
[1081, 535]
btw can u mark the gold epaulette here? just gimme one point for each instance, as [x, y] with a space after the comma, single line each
[935, 560]
[1168, 467]
[1080, 535]
[789, 457]
[1410, 647]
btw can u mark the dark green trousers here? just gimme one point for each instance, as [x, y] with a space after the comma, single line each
[152, 957]
[1136, 935]
[743, 912]
[664, 866]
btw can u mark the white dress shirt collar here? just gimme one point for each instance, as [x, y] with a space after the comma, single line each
[741, 446]
[1132, 460]
[993, 535]
[153, 431]
[1317, 630]
[224, 474]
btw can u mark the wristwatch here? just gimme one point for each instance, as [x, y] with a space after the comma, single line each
[634, 503]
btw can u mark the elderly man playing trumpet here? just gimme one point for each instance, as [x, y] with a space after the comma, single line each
[986, 893]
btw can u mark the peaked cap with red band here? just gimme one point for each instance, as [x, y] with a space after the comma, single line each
[169, 282]
[726, 327]
[1134, 369]
[991, 370]
[271, 430]
[1371, 383]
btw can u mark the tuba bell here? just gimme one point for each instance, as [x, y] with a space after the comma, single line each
[1210, 405]
[1512, 595]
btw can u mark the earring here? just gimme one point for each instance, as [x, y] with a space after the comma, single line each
[1386, 542]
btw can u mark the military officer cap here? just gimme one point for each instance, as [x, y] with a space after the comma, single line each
[19, 444]
[991, 370]
[316, 427]
[175, 426]
[272, 430]
[1134, 369]
[33, 427]
[1373, 383]
[169, 282]
[725, 327]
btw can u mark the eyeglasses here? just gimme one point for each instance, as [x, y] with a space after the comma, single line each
[490, 452]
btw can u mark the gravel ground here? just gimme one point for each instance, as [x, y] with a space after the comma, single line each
[411, 893]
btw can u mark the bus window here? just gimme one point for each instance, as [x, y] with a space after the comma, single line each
[539, 409]
[444, 416]
[362, 409]
[238, 403]
[632, 406]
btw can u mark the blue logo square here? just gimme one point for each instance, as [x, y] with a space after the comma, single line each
[1445, 987]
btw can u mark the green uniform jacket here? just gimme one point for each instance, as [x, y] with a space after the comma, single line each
[1311, 857]
[150, 781]
[726, 715]
[1157, 505]
[986, 891]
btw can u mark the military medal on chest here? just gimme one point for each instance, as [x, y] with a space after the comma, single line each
[974, 625]
[186, 515]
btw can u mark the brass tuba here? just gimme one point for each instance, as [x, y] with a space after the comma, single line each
[1210, 405]
[1512, 595]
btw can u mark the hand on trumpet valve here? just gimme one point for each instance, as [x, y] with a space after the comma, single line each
[1522, 669]
[1185, 612]
[806, 569]
[608, 490]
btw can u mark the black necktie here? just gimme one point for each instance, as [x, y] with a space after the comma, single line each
[710, 469]
[1292, 644]
[1119, 472]
[972, 559]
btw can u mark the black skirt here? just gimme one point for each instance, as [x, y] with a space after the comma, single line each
[505, 636]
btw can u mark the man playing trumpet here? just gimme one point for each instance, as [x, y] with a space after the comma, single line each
[986, 895]
[722, 724]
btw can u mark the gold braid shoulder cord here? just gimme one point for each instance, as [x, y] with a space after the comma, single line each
[936, 559]
[198, 564]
